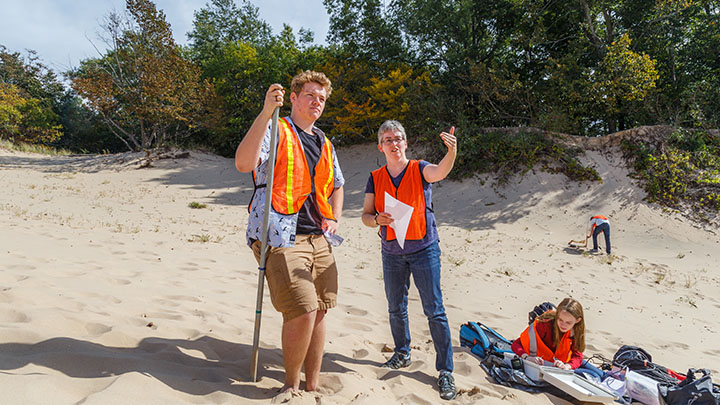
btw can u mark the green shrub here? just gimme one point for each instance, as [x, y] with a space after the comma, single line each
[506, 154]
[683, 169]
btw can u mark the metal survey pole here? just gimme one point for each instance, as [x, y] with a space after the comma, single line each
[264, 243]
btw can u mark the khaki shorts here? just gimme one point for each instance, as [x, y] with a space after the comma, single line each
[302, 278]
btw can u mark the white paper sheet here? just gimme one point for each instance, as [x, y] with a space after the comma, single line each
[401, 214]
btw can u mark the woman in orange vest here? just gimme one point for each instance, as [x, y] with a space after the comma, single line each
[418, 253]
[557, 337]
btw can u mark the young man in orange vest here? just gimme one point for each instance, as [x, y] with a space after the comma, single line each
[307, 200]
[410, 181]
[598, 224]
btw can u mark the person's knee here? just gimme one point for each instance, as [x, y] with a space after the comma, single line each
[299, 316]
[436, 313]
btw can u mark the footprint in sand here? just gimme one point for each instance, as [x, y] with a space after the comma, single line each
[13, 316]
[182, 298]
[358, 326]
[330, 384]
[678, 345]
[360, 354]
[713, 352]
[97, 329]
[355, 311]
[463, 368]
[415, 399]
[21, 267]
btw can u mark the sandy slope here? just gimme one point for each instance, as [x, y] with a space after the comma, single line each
[114, 291]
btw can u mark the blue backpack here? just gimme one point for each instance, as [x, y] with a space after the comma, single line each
[483, 341]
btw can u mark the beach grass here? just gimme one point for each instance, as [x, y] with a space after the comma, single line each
[32, 148]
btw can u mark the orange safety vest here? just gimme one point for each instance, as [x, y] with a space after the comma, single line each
[534, 346]
[292, 183]
[410, 192]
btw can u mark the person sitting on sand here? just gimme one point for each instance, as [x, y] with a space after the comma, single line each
[410, 181]
[557, 337]
[598, 224]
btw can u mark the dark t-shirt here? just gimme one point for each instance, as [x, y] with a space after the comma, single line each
[431, 235]
[312, 146]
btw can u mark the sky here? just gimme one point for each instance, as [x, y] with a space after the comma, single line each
[63, 31]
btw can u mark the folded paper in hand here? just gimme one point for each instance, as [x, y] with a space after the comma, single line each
[401, 214]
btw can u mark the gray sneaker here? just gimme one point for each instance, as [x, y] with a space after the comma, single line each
[398, 360]
[446, 385]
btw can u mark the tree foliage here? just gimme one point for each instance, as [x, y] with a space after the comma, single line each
[241, 57]
[143, 88]
[575, 66]
[28, 99]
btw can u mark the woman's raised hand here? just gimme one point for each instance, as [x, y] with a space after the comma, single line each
[449, 139]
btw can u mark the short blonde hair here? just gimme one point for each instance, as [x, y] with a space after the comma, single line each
[299, 81]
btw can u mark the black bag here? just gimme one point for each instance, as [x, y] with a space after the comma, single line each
[628, 356]
[539, 310]
[691, 391]
[637, 359]
[509, 377]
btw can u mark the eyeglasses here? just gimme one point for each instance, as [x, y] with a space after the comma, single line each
[392, 141]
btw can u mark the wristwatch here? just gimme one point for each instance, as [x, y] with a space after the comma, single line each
[376, 222]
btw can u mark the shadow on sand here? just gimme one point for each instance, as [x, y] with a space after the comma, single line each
[214, 366]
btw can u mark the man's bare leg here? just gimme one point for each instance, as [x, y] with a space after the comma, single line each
[296, 336]
[313, 359]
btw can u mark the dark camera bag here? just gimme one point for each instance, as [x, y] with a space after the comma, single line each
[692, 391]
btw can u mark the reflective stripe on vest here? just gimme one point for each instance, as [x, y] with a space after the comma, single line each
[292, 183]
[410, 192]
[536, 347]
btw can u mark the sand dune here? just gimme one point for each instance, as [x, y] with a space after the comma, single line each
[114, 290]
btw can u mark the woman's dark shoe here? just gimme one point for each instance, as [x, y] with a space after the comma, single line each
[398, 360]
[446, 385]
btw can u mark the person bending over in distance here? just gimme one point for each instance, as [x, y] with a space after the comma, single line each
[598, 224]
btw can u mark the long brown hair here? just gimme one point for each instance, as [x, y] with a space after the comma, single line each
[573, 307]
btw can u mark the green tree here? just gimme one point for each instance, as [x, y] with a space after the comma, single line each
[29, 94]
[623, 76]
[367, 29]
[241, 57]
[222, 22]
[143, 88]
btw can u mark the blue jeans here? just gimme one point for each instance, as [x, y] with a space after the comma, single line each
[586, 367]
[605, 229]
[424, 266]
